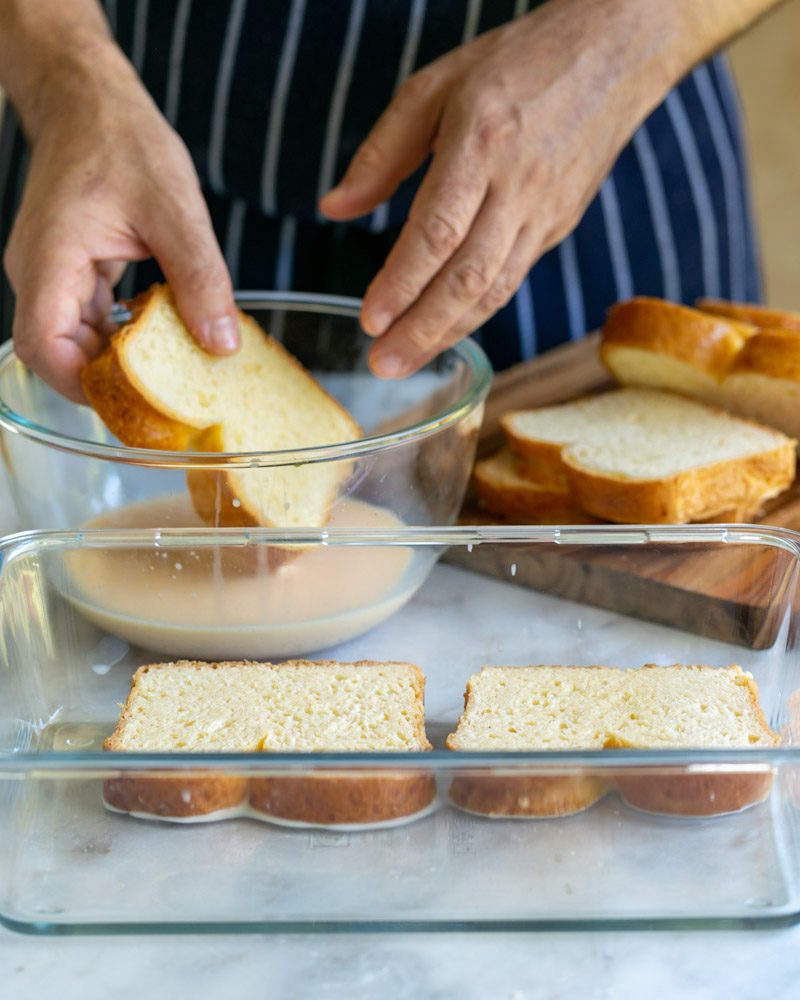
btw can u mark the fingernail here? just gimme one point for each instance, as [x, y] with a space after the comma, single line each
[377, 323]
[223, 334]
[389, 365]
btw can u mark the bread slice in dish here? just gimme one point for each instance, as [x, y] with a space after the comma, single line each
[299, 706]
[154, 387]
[556, 708]
[743, 358]
[645, 456]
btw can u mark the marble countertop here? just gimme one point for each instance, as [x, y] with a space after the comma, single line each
[484, 966]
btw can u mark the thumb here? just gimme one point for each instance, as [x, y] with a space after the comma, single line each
[182, 240]
[396, 146]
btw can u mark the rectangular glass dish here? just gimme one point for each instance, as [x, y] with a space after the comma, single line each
[81, 611]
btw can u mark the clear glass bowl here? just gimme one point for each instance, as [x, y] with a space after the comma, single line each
[501, 596]
[412, 466]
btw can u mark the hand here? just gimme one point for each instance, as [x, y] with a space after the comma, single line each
[523, 123]
[109, 182]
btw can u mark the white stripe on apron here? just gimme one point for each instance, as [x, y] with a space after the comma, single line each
[175, 71]
[336, 113]
[615, 235]
[216, 143]
[699, 187]
[659, 213]
[272, 147]
[573, 292]
[408, 58]
[730, 182]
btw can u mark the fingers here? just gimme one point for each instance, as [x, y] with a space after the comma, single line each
[439, 222]
[466, 278]
[181, 238]
[413, 350]
[58, 302]
[396, 146]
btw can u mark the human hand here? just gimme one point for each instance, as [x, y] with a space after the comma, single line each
[523, 123]
[109, 182]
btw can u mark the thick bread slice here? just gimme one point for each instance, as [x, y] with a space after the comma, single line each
[297, 706]
[154, 387]
[594, 708]
[718, 356]
[746, 312]
[660, 345]
[504, 489]
[644, 456]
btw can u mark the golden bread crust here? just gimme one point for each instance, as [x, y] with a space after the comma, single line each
[336, 799]
[709, 343]
[771, 352]
[741, 485]
[746, 312]
[175, 794]
[526, 795]
[681, 794]
[142, 419]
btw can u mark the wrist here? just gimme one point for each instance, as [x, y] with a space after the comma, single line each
[54, 55]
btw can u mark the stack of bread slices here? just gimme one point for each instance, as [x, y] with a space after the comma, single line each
[679, 442]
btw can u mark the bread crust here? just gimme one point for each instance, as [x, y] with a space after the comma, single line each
[526, 795]
[708, 343]
[502, 488]
[327, 799]
[175, 794]
[336, 799]
[125, 411]
[741, 484]
[676, 793]
[131, 413]
[770, 352]
[747, 312]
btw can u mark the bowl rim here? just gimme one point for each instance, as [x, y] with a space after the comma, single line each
[468, 350]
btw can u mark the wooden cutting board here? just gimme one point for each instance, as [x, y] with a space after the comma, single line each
[725, 592]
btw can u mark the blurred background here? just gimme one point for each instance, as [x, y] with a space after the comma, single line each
[766, 63]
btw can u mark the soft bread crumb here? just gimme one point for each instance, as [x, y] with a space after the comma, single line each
[299, 705]
[592, 708]
[259, 399]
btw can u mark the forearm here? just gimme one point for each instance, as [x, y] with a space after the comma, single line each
[50, 50]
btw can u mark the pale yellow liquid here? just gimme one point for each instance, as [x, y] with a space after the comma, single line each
[228, 603]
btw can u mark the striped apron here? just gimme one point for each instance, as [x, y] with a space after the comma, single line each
[273, 98]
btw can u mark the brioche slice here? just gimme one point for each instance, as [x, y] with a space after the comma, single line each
[649, 342]
[595, 708]
[504, 489]
[746, 312]
[154, 387]
[297, 706]
[644, 456]
[721, 355]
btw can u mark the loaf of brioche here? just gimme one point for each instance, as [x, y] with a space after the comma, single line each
[511, 488]
[297, 706]
[596, 708]
[154, 387]
[645, 456]
[743, 358]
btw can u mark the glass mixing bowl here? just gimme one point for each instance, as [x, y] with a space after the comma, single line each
[411, 467]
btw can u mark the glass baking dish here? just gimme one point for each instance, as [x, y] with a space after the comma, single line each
[620, 596]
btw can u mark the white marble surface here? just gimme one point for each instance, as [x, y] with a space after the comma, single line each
[519, 966]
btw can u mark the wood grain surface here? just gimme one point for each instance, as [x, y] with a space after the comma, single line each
[733, 593]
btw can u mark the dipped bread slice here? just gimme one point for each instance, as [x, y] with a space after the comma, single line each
[599, 708]
[645, 456]
[296, 706]
[154, 387]
[743, 358]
